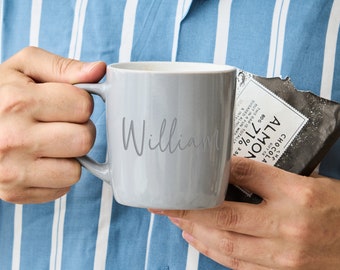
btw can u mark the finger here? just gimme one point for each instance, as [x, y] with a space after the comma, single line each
[53, 173]
[46, 101]
[259, 251]
[41, 180]
[34, 195]
[228, 261]
[42, 195]
[231, 216]
[62, 140]
[53, 177]
[260, 178]
[43, 66]
[61, 102]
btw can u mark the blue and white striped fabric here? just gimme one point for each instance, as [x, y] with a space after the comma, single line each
[87, 229]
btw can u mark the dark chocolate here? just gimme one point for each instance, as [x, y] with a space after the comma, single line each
[312, 142]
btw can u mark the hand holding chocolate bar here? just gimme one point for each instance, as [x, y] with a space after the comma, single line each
[285, 231]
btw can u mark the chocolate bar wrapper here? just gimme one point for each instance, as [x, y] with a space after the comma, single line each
[277, 124]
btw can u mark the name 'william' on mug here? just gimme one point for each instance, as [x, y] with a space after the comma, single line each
[168, 139]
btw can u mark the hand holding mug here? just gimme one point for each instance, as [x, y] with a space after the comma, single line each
[41, 112]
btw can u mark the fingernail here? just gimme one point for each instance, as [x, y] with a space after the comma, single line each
[88, 66]
[188, 237]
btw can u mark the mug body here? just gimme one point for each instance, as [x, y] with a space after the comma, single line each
[169, 133]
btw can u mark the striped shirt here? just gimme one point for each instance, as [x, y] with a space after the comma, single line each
[87, 229]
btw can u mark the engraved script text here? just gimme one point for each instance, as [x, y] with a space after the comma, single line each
[165, 140]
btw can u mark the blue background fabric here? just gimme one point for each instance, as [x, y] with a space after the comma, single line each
[87, 229]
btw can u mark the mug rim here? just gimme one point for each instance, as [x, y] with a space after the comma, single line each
[171, 67]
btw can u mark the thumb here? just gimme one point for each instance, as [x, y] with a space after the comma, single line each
[43, 66]
[257, 177]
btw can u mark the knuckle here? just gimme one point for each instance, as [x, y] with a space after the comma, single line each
[22, 56]
[67, 172]
[293, 260]
[7, 176]
[85, 106]
[300, 231]
[65, 69]
[234, 263]
[61, 65]
[10, 178]
[14, 100]
[11, 139]
[6, 145]
[241, 168]
[13, 175]
[86, 138]
[226, 218]
[227, 246]
[308, 195]
[76, 170]
[29, 50]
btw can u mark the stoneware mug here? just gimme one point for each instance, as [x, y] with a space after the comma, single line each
[169, 133]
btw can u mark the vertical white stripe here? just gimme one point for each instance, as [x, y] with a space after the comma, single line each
[277, 38]
[182, 9]
[127, 30]
[17, 237]
[192, 259]
[148, 243]
[57, 233]
[222, 32]
[330, 51]
[77, 29]
[35, 22]
[54, 236]
[60, 204]
[103, 227]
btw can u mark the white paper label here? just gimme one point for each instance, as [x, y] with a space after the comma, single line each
[265, 124]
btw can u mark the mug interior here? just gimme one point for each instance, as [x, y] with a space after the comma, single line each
[172, 67]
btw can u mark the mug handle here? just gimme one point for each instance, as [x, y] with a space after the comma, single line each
[100, 170]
